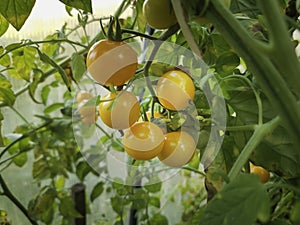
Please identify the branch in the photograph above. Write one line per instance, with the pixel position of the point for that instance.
(11, 197)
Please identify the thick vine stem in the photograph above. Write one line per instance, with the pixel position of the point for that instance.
(185, 27)
(6, 192)
(259, 133)
(283, 52)
(271, 81)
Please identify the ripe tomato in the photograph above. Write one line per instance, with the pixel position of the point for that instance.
(143, 141)
(178, 149)
(111, 62)
(83, 95)
(175, 90)
(87, 113)
(159, 13)
(119, 110)
(262, 173)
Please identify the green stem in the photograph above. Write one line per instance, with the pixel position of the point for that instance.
(23, 137)
(258, 61)
(19, 114)
(28, 43)
(258, 135)
(11, 197)
(283, 52)
(136, 33)
(193, 170)
(179, 12)
(242, 128)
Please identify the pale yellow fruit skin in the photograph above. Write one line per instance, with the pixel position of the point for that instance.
(178, 150)
(83, 95)
(88, 114)
(143, 140)
(119, 110)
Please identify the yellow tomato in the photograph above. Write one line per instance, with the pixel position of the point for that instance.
(83, 95)
(111, 62)
(119, 110)
(178, 149)
(175, 90)
(262, 173)
(143, 140)
(88, 114)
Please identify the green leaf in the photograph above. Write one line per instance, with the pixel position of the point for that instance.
(159, 219)
(155, 201)
(5, 59)
(23, 62)
(85, 5)
(16, 12)
(45, 58)
(53, 107)
(82, 170)
(7, 96)
(67, 208)
(227, 62)
(117, 204)
(78, 66)
(241, 201)
(3, 25)
(154, 185)
(97, 191)
(51, 49)
(278, 154)
(36, 79)
(45, 93)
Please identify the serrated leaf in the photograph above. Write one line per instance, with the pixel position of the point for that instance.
(16, 12)
(97, 191)
(239, 202)
(53, 107)
(3, 25)
(227, 62)
(85, 5)
(78, 66)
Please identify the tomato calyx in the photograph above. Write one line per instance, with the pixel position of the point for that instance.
(114, 32)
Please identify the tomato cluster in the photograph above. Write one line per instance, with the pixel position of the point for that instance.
(112, 64)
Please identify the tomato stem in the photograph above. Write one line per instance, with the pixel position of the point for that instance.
(258, 61)
(185, 28)
(9, 195)
(259, 133)
(282, 50)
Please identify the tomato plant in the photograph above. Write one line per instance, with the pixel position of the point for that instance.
(111, 62)
(119, 110)
(143, 140)
(201, 64)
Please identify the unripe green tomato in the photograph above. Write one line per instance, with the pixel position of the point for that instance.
(159, 13)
